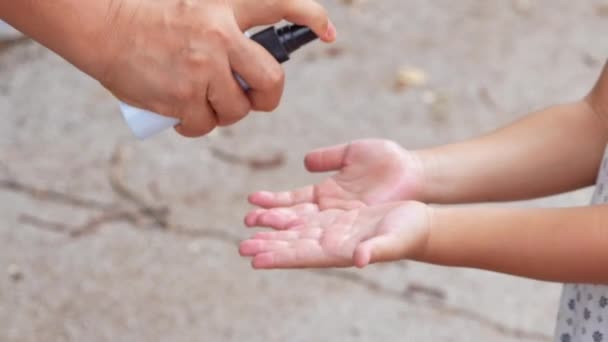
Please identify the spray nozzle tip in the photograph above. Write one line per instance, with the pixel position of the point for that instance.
(285, 40)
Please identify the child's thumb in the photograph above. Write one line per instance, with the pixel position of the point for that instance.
(377, 249)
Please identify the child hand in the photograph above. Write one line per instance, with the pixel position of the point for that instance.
(337, 237)
(369, 172)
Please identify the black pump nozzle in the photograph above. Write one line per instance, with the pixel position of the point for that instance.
(294, 36)
(285, 40)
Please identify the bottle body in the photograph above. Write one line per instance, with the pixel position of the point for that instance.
(7, 32)
(144, 123)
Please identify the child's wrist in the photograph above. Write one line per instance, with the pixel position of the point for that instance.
(437, 247)
(427, 189)
(423, 252)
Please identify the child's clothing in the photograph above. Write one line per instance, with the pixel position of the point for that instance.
(583, 311)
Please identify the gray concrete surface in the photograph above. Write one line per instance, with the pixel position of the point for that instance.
(104, 238)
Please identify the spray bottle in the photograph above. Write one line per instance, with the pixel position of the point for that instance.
(279, 42)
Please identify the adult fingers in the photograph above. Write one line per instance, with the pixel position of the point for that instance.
(226, 96)
(262, 73)
(303, 12)
(312, 14)
(197, 120)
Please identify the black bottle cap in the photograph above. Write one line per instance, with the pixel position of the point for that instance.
(285, 40)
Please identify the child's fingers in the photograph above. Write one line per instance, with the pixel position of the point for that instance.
(272, 260)
(267, 199)
(287, 235)
(254, 247)
(326, 159)
(266, 217)
(281, 218)
(302, 252)
(276, 218)
(290, 235)
(252, 217)
(299, 256)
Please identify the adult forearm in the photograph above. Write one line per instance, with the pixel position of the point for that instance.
(172, 57)
(78, 30)
(554, 150)
(565, 245)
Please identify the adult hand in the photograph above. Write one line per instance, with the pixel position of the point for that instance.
(173, 57)
(184, 53)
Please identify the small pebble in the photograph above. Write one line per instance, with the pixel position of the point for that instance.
(523, 7)
(410, 77)
(334, 51)
(601, 9)
(352, 2)
(14, 272)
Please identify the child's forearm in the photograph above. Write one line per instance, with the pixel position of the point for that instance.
(551, 151)
(565, 245)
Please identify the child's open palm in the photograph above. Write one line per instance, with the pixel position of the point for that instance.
(309, 237)
(369, 172)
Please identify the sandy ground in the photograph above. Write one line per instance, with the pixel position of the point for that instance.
(104, 238)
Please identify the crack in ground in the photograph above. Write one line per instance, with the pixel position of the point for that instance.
(436, 305)
(51, 195)
(275, 161)
(93, 225)
(143, 214)
(159, 217)
(8, 44)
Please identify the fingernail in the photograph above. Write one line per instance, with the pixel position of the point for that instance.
(330, 34)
